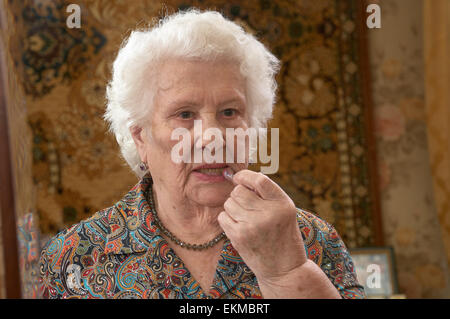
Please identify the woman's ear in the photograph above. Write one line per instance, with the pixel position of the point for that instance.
(140, 140)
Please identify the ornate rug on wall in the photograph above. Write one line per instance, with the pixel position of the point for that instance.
(321, 112)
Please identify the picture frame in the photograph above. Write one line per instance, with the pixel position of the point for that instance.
(376, 270)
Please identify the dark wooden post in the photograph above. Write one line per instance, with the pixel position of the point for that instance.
(366, 80)
(7, 201)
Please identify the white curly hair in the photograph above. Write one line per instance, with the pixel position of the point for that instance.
(188, 35)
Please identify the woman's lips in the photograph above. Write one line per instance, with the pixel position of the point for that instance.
(211, 172)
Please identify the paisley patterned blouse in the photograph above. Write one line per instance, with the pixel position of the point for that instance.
(119, 253)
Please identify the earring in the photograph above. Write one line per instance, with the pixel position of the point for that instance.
(143, 166)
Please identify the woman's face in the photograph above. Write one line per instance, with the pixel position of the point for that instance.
(213, 92)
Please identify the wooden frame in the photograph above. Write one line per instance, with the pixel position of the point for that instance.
(366, 91)
(373, 261)
(7, 200)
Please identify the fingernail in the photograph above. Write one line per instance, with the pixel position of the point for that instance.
(228, 174)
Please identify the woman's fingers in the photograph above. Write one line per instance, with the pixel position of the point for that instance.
(226, 222)
(246, 198)
(263, 186)
(234, 210)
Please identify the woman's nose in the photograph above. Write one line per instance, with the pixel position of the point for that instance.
(210, 129)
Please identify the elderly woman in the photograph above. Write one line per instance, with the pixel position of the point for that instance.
(187, 230)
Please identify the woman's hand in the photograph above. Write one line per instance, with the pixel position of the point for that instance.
(260, 221)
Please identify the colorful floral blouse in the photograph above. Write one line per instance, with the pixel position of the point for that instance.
(119, 253)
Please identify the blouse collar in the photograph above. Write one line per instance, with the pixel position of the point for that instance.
(132, 229)
(131, 223)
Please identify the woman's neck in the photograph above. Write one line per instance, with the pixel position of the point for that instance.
(188, 221)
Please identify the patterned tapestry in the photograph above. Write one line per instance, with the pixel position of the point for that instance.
(77, 170)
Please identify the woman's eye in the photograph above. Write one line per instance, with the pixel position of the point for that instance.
(229, 112)
(185, 115)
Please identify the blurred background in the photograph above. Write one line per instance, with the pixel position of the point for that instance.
(363, 111)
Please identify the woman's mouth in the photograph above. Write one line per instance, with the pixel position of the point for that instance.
(211, 173)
